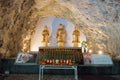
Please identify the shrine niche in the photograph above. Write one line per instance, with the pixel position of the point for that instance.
(59, 33)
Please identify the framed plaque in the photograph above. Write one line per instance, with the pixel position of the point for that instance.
(97, 59)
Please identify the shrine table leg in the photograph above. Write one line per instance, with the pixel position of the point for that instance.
(39, 72)
(42, 71)
(76, 74)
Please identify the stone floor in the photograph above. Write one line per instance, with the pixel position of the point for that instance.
(58, 77)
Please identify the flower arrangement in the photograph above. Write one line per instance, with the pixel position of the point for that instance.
(84, 44)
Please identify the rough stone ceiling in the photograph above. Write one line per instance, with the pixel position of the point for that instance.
(98, 19)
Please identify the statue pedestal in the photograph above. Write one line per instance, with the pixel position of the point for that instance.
(44, 44)
(61, 44)
(75, 44)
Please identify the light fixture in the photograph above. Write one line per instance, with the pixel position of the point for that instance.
(90, 51)
(100, 52)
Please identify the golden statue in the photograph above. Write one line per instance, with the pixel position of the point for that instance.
(45, 36)
(61, 36)
(76, 37)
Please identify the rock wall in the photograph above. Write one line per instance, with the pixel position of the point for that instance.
(98, 19)
(17, 21)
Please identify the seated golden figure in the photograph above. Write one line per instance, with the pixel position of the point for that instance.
(45, 36)
(76, 37)
(61, 36)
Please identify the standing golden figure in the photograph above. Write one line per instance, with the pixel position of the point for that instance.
(61, 36)
(76, 37)
(45, 37)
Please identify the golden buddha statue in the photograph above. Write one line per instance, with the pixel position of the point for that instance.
(61, 36)
(76, 37)
(45, 36)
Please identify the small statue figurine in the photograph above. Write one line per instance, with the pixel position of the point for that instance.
(76, 37)
(45, 37)
(61, 36)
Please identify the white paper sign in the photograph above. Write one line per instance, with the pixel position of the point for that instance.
(23, 57)
(101, 59)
